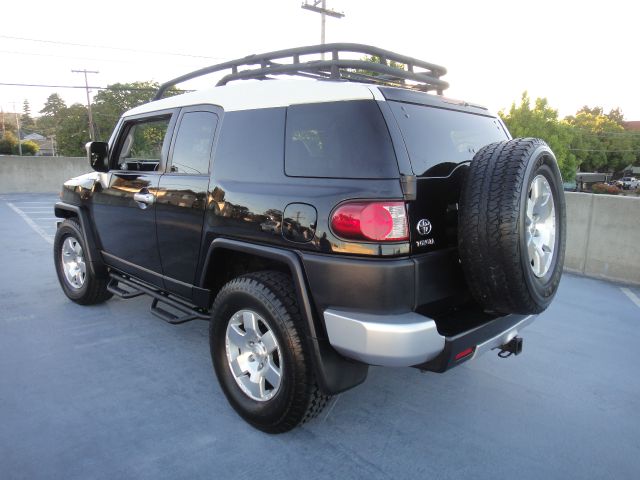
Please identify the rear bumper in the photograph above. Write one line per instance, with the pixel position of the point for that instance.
(390, 340)
(410, 339)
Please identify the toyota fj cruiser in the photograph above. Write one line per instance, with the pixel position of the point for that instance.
(321, 226)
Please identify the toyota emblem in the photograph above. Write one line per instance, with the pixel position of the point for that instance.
(424, 227)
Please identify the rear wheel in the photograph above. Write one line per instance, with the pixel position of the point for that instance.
(259, 354)
(77, 280)
(511, 228)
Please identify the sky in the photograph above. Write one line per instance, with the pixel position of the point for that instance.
(574, 53)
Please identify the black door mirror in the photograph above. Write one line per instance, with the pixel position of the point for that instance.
(98, 154)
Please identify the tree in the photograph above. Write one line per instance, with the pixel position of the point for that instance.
(112, 102)
(376, 59)
(542, 121)
(73, 131)
(52, 114)
(615, 114)
(601, 143)
(9, 122)
(53, 106)
(8, 144)
(27, 123)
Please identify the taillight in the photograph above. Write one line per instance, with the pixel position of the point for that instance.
(371, 221)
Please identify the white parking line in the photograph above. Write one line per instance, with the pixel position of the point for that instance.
(35, 209)
(632, 296)
(48, 238)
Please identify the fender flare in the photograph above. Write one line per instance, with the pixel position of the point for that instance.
(96, 263)
(334, 372)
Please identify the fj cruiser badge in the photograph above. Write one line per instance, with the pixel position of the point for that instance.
(424, 227)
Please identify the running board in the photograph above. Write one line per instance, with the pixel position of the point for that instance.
(182, 311)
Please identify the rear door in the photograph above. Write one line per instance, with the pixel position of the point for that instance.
(441, 142)
(182, 197)
(124, 208)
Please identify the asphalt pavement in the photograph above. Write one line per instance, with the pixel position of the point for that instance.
(111, 391)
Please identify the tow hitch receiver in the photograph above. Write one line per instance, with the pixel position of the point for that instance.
(512, 347)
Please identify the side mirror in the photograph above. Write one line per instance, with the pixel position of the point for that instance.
(98, 155)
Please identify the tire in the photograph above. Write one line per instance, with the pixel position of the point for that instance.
(270, 297)
(505, 271)
(85, 288)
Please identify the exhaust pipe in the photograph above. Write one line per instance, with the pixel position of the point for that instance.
(512, 347)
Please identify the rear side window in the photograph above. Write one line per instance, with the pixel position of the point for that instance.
(338, 139)
(192, 149)
(436, 136)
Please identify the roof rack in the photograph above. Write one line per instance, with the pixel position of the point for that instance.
(391, 69)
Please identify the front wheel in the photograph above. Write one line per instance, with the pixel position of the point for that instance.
(259, 354)
(77, 280)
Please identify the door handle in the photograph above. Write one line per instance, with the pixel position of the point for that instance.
(144, 198)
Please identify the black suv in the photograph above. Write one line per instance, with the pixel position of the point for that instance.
(321, 226)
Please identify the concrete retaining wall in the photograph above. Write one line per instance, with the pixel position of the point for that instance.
(39, 174)
(603, 238)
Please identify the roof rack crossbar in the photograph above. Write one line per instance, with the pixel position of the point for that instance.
(335, 68)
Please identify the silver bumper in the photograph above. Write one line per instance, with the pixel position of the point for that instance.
(401, 340)
(390, 340)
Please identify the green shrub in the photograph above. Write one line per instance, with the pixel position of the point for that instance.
(8, 144)
(29, 147)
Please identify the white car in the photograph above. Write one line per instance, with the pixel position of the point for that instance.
(628, 183)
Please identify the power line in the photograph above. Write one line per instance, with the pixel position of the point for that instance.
(115, 89)
(602, 151)
(73, 57)
(122, 49)
(591, 132)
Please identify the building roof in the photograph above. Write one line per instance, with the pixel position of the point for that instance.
(34, 137)
(633, 125)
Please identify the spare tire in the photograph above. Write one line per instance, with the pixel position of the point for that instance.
(512, 225)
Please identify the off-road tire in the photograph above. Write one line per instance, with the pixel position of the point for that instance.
(271, 294)
(491, 226)
(94, 290)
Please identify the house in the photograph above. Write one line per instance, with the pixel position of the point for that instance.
(585, 180)
(47, 147)
(631, 171)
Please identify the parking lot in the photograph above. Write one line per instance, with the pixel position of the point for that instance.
(111, 391)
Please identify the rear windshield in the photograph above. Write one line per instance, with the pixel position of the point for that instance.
(347, 139)
(437, 136)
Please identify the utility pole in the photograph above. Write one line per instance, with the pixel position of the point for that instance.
(4, 131)
(18, 126)
(86, 85)
(323, 11)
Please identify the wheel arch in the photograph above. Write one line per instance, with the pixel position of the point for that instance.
(96, 263)
(335, 373)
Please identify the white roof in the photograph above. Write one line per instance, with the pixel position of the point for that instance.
(266, 94)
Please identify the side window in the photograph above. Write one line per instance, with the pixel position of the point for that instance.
(346, 139)
(141, 148)
(192, 149)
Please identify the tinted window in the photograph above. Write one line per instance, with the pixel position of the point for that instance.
(251, 145)
(141, 148)
(436, 136)
(192, 150)
(338, 139)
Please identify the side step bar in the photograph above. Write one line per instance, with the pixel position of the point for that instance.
(184, 311)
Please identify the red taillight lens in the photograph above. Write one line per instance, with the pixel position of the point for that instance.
(377, 221)
(465, 353)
